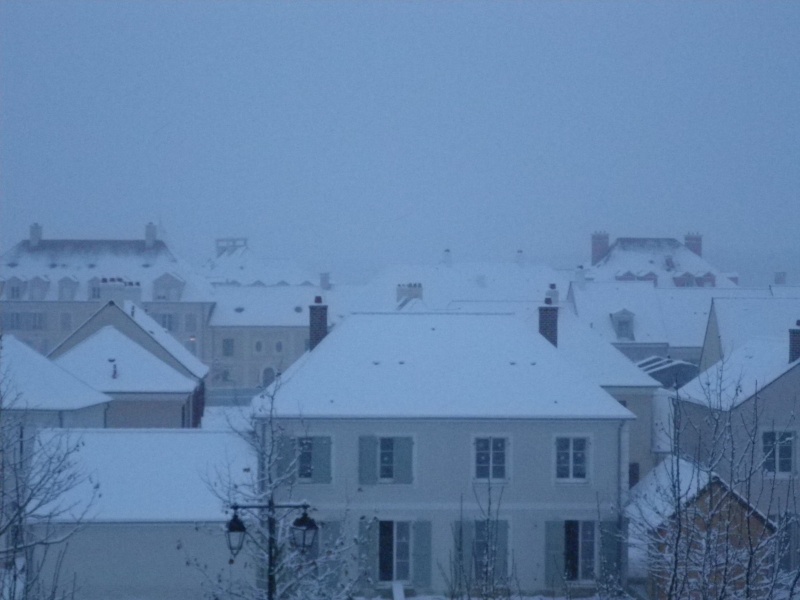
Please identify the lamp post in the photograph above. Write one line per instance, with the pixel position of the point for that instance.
(304, 532)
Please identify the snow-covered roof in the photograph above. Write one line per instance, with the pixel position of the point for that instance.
(751, 366)
(444, 283)
(163, 475)
(664, 258)
(425, 365)
(670, 484)
(237, 264)
(32, 382)
(276, 306)
(193, 364)
(676, 316)
(110, 361)
(577, 342)
(741, 319)
(131, 263)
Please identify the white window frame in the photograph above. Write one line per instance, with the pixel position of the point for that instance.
(790, 436)
(506, 457)
(398, 546)
(571, 478)
(384, 451)
(583, 525)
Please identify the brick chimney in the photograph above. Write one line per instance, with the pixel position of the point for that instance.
(36, 235)
(548, 316)
(317, 322)
(694, 242)
(794, 342)
(150, 235)
(600, 246)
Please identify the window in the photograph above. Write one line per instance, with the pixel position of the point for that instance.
(579, 548)
(633, 474)
(26, 321)
(778, 450)
(166, 320)
(15, 292)
(94, 292)
(227, 347)
(190, 323)
(490, 548)
(278, 346)
(394, 551)
(305, 457)
(385, 460)
(490, 458)
(571, 458)
(258, 347)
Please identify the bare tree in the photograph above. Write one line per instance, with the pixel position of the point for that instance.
(714, 521)
(328, 570)
(37, 469)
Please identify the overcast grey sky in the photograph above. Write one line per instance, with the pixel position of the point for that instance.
(351, 134)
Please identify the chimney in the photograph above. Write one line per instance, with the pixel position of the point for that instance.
(36, 235)
(794, 343)
(317, 322)
(548, 316)
(694, 242)
(150, 235)
(599, 246)
(325, 281)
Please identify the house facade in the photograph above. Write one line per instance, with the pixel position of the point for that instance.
(458, 443)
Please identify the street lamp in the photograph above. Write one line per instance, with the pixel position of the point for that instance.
(304, 532)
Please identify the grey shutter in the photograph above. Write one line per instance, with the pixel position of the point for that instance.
(611, 545)
(468, 548)
(368, 460)
(368, 548)
(421, 555)
(321, 460)
(285, 460)
(403, 460)
(501, 555)
(554, 554)
(328, 557)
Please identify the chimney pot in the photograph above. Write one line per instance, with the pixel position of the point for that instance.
(317, 322)
(600, 246)
(548, 322)
(36, 235)
(150, 235)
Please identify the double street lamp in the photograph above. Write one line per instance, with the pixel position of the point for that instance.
(303, 531)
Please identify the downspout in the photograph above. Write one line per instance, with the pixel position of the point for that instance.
(620, 518)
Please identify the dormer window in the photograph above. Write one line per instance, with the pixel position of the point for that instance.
(38, 288)
(67, 286)
(623, 325)
(168, 288)
(16, 288)
(94, 288)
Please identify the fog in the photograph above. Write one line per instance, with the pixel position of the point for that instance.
(348, 135)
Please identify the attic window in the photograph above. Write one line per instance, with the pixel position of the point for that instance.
(298, 309)
(623, 325)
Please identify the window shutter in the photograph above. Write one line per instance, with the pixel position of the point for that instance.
(501, 556)
(368, 548)
(329, 538)
(554, 554)
(368, 460)
(467, 547)
(421, 554)
(403, 460)
(610, 550)
(321, 460)
(285, 461)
